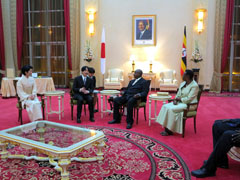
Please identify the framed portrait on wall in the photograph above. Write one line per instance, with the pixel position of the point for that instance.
(144, 30)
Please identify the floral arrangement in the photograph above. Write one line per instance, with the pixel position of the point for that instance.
(196, 56)
(88, 52)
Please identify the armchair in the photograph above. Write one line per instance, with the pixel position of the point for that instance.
(167, 81)
(191, 111)
(19, 103)
(114, 79)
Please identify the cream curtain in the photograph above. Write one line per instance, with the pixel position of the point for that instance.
(10, 35)
(75, 36)
(218, 44)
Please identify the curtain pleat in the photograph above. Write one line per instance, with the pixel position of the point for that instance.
(75, 36)
(227, 33)
(67, 31)
(19, 19)
(220, 17)
(2, 51)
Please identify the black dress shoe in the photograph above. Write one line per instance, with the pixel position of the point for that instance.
(223, 166)
(95, 110)
(202, 173)
(129, 126)
(78, 120)
(114, 122)
(92, 119)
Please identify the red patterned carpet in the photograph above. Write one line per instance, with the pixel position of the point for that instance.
(128, 155)
(193, 149)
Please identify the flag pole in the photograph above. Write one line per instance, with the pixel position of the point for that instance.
(103, 80)
(103, 58)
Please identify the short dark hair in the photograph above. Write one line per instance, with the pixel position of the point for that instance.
(25, 69)
(84, 68)
(91, 70)
(139, 71)
(189, 73)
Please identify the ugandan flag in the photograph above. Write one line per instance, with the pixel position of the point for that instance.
(184, 53)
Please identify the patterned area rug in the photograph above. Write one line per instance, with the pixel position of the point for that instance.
(128, 156)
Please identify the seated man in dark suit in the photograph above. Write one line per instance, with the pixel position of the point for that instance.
(137, 88)
(83, 88)
(226, 134)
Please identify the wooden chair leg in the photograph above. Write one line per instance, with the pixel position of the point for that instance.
(43, 111)
(137, 115)
(145, 113)
(195, 129)
(184, 122)
(85, 109)
(72, 111)
(20, 115)
(97, 104)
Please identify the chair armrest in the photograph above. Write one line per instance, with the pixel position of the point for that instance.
(174, 81)
(161, 80)
(192, 105)
(107, 80)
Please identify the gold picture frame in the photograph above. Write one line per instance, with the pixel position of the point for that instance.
(144, 30)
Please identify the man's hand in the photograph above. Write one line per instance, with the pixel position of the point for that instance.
(236, 137)
(137, 96)
(175, 102)
(82, 89)
(86, 92)
(178, 99)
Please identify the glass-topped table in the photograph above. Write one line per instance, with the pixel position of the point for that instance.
(61, 143)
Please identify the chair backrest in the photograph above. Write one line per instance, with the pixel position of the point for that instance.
(199, 94)
(168, 74)
(71, 81)
(144, 99)
(115, 74)
(15, 86)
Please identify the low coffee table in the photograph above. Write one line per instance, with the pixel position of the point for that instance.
(61, 143)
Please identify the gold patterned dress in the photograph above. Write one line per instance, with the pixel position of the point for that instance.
(171, 115)
(25, 88)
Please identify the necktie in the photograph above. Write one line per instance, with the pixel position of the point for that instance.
(84, 80)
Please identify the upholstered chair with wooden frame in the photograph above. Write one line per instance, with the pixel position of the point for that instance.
(74, 101)
(141, 103)
(168, 81)
(191, 111)
(19, 103)
(114, 79)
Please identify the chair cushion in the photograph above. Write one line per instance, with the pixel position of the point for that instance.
(191, 113)
(75, 101)
(114, 79)
(167, 81)
(112, 84)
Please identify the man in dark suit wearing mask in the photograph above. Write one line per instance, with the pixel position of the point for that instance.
(137, 88)
(226, 134)
(83, 88)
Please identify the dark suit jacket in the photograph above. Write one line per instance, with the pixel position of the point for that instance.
(78, 83)
(94, 81)
(140, 87)
(147, 35)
